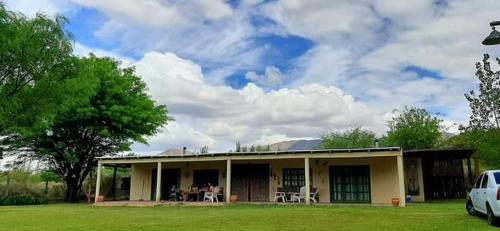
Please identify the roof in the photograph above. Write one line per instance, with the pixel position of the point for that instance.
(305, 145)
(263, 153)
(448, 152)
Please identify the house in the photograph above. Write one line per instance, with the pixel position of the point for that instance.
(367, 175)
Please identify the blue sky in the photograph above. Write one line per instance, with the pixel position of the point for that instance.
(266, 71)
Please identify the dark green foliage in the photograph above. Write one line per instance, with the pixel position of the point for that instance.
(21, 199)
(353, 138)
(485, 106)
(111, 112)
(414, 128)
(486, 143)
(35, 57)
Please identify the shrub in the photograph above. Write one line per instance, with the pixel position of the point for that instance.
(17, 199)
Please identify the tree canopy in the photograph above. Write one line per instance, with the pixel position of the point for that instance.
(35, 56)
(353, 138)
(414, 128)
(485, 106)
(111, 112)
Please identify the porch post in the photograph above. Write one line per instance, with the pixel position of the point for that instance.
(113, 190)
(402, 197)
(158, 182)
(98, 181)
(228, 181)
(306, 177)
(469, 172)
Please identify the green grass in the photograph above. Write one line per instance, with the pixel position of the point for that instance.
(432, 216)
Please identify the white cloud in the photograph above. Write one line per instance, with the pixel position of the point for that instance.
(363, 47)
(157, 13)
(271, 78)
(50, 7)
(221, 115)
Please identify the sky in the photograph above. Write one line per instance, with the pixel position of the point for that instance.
(260, 72)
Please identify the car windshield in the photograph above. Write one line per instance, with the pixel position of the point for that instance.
(497, 177)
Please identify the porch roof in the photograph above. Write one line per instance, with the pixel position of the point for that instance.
(320, 153)
(440, 152)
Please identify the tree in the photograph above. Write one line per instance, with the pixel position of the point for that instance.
(485, 142)
(112, 112)
(483, 130)
(34, 57)
(485, 107)
(414, 128)
(353, 138)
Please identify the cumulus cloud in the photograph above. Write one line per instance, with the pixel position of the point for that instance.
(247, 115)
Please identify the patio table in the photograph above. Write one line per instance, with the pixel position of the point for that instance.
(191, 193)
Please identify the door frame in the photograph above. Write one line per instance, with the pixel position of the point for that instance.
(163, 179)
(331, 184)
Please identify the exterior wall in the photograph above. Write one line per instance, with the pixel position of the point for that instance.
(420, 175)
(140, 183)
(384, 176)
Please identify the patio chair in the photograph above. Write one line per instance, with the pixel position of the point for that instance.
(314, 194)
(279, 194)
(211, 196)
(220, 194)
(301, 196)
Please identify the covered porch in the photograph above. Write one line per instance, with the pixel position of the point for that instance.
(373, 176)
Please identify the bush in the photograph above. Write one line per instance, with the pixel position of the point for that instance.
(17, 199)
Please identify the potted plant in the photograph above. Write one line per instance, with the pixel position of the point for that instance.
(234, 198)
(395, 202)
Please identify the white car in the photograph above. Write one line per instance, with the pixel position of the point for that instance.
(484, 196)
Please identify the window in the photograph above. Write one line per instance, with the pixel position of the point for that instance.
(485, 181)
(497, 177)
(478, 181)
(202, 177)
(294, 177)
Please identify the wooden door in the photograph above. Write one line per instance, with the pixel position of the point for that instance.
(259, 182)
(250, 182)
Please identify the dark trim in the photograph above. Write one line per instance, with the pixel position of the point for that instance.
(462, 153)
(268, 153)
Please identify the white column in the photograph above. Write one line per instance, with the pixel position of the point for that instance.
(306, 177)
(98, 181)
(228, 181)
(402, 197)
(158, 182)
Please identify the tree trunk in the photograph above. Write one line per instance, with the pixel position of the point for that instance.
(72, 190)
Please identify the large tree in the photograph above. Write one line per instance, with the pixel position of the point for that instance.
(352, 138)
(414, 128)
(35, 56)
(112, 111)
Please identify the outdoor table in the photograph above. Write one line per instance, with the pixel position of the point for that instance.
(191, 193)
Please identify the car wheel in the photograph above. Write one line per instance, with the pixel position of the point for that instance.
(492, 220)
(470, 208)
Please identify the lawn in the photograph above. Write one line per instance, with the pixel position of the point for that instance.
(432, 216)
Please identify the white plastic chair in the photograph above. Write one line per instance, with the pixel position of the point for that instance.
(210, 196)
(279, 195)
(301, 196)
